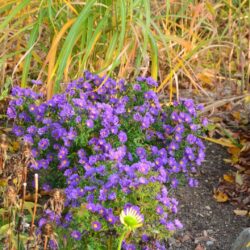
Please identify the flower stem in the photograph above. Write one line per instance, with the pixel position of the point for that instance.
(121, 239)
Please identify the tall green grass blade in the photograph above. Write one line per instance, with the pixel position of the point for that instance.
(122, 6)
(98, 30)
(154, 50)
(70, 41)
(32, 40)
(90, 27)
(111, 48)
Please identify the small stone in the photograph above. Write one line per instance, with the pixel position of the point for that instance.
(205, 233)
(209, 243)
(171, 241)
(186, 237)
(242, 241)
(208, 208)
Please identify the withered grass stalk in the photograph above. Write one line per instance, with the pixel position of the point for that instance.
(35, 206)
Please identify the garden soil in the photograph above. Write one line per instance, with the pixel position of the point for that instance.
(207, 224)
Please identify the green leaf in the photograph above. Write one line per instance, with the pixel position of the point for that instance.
(4, 229)
(29, 206)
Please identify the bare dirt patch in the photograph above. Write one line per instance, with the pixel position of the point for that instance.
(208, 224)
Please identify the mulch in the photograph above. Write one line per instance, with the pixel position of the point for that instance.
(207, 224)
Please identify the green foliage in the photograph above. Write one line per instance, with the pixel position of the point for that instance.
(62, 39)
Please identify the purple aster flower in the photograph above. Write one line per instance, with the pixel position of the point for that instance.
(19, 102)
(36, 82)
(159, 246)
(130, 156)
(159, 210)
(188, 118)
(104, 133)
(76, 235)
(174, 116)
(63, 164)
(111, 219)
(112, 196)
(189, 103)
(143, 167)
(194, 127)
(141, 79)
(192, 182)
(122, 136)
(17, 130)
(53, 244)
(137, 117)
(71, 135)
(170, 226)
(142, 180)
(137, 87)
(78, 119)
(68, 217)
(179, 128)
(145, 238)
(32, 108)
(154, 150)
(43, 163)
(11, 113)
(174, 183)
(46, 187)
(32, 130)
(63, 152)
(163, 221)
(151, 82)
(89, 123)
(178, 224)
(205, 122)
(173, 146)
(42, 131)
(43, 144)
(129, 247)
(114, 130)
(42, 222)
(67, 111)
(28, 139)
(96, 225)
(141, 152)
(191, 139)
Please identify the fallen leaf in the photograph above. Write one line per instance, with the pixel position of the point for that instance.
(240, 212)
(234, 150)
(220, 196)
(246, 147)
(229, 178)
(236, 115)
(238, 178)
(221, 141)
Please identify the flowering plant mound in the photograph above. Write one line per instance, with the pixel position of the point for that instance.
(111, 146)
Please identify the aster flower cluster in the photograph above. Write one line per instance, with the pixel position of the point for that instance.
(111, 145)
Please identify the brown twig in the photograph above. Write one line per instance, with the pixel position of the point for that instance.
(45, 242)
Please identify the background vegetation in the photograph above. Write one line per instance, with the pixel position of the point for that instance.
(199, 45)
